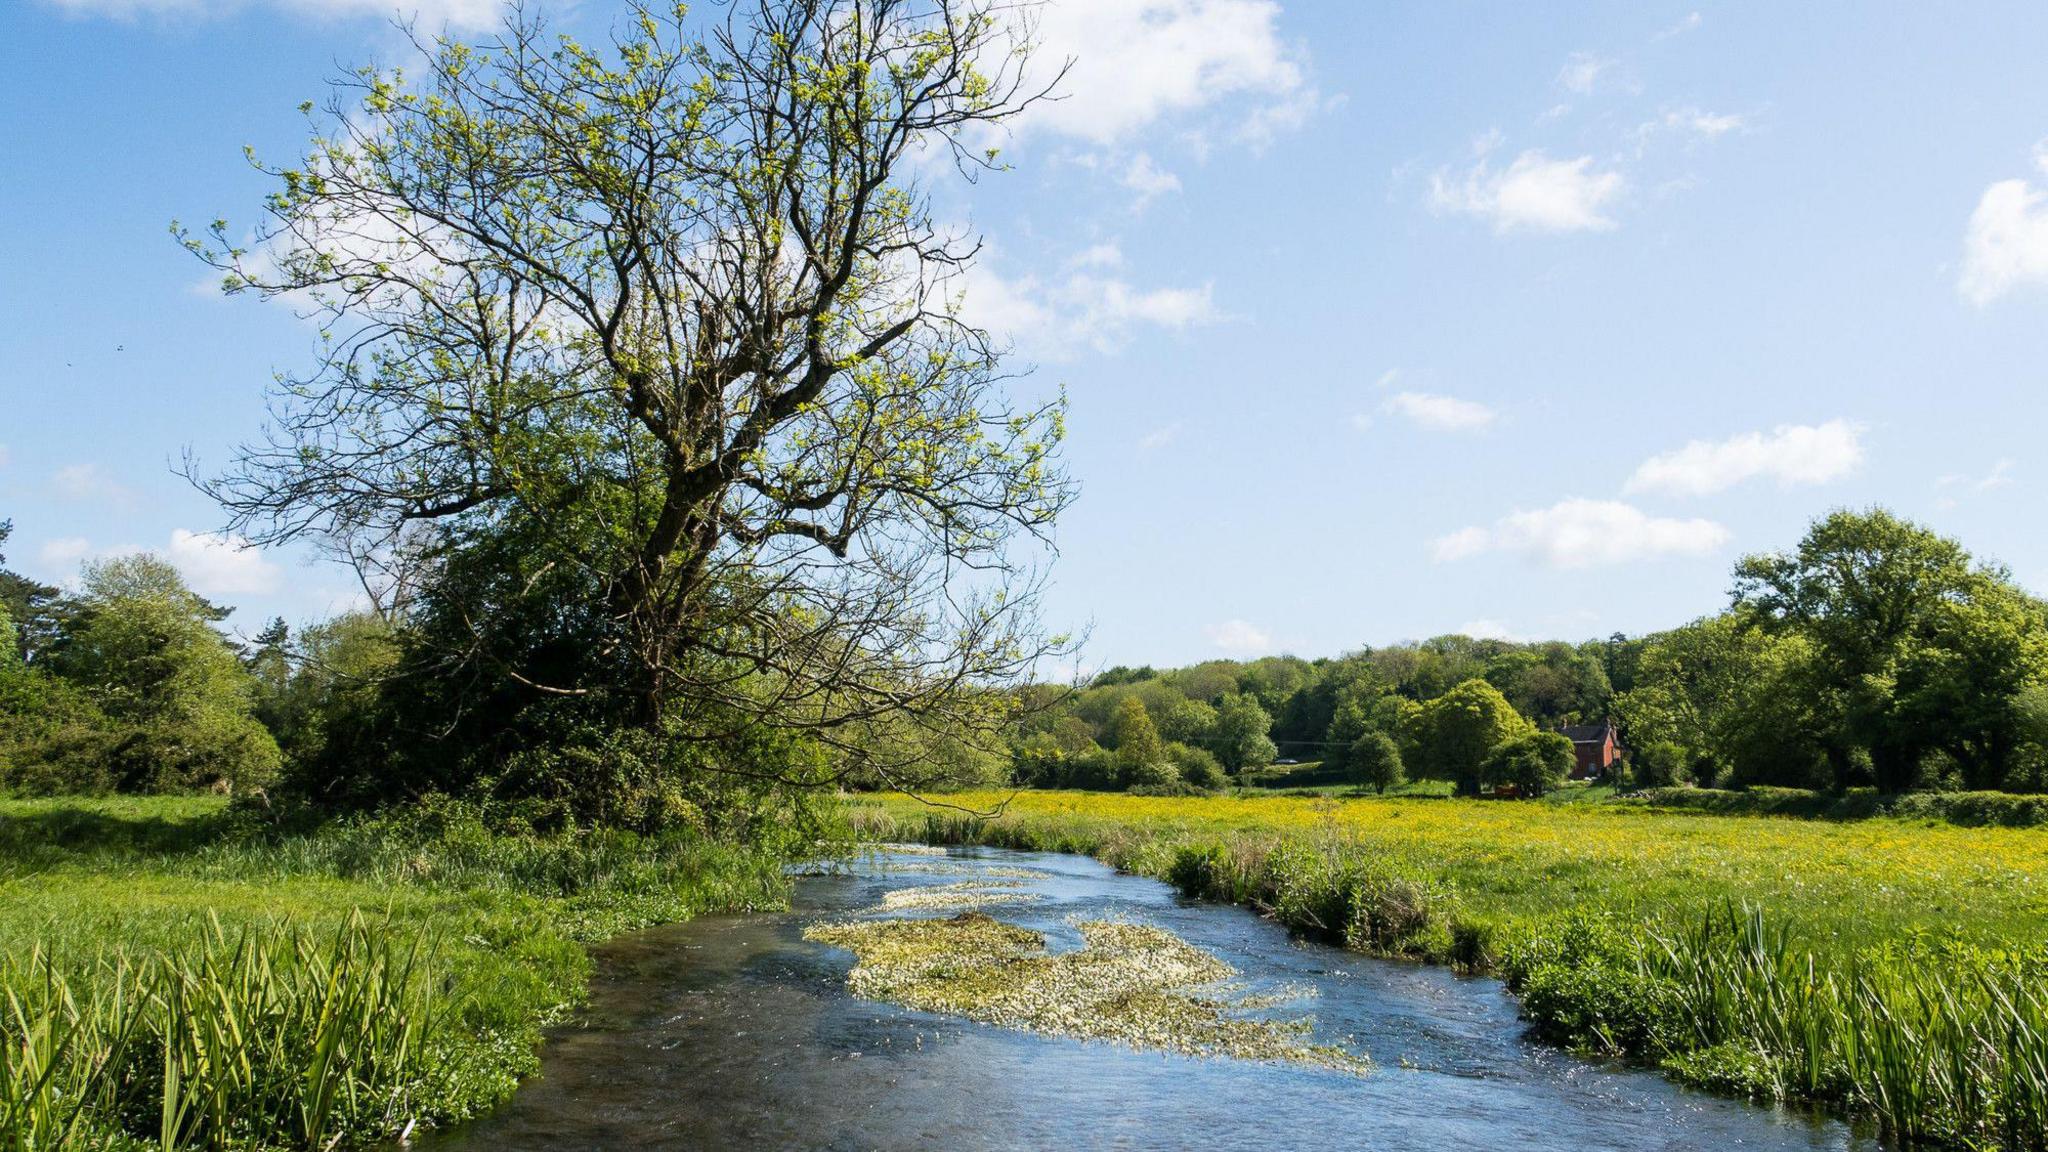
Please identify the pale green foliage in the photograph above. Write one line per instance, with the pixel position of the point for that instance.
(1140, 755)
(1457, 731)
(1242, 743)
(145, 653)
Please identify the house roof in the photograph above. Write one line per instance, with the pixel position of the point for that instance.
(1585, 733)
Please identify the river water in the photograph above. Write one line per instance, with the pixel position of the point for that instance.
(736, 1033)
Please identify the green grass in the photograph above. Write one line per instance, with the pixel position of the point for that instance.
(1892, 968)
(113, 909)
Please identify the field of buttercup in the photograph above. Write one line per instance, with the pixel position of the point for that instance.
(1892, 969)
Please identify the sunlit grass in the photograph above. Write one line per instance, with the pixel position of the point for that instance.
(97, 896)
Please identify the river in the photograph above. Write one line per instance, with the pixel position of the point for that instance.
(734, 1032)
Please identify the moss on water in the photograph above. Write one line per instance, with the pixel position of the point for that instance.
(1129, 983)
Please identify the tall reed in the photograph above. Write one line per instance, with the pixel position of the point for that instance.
(268, 1034)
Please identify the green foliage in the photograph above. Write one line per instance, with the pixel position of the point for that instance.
(619, 485)
(1456, 732)
(1374, 761)
(1533, 763)
(1242, 743)
(139, 692)
(1916, 648)
(1198, 769)
(172, 934)
(1660, 765)
(267, 1036)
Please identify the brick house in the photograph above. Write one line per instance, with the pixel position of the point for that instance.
(1595, 748)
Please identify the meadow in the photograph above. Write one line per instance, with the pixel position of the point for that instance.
(1893, 969)
(175, 974)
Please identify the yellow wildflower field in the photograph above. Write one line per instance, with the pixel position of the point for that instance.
(1854, 883)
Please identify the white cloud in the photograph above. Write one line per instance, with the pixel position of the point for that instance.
(1486, 629)
(1159, 437)
(1790, 454)
(1106, 255)
(1148, 180)
(1581, 72)
(1361, 421)
(2000, 476)
(212, 564)
(87, 483)
(1535, 192)
(1240, 638)
(217, 565)
(431, 14)
(2006, 244)
(1581, 533)
(1689, 23)
(1387, 378)
(1138, 61)
(1695, 122)
(1441, 413)
(64, 553)
(1080, 307)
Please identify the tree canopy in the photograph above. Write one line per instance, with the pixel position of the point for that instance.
(645, 390)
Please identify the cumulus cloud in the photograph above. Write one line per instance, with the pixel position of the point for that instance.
(1240, 638)
(1441, 413)
(1535, 192)
(1581, 533)
(218, 565)
(1080, 307)
(2006, 243)
(1138, 61)
(1791, 454)
(213, 564)
(469, 14)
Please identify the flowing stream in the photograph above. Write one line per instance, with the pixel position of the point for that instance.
(737, 1033)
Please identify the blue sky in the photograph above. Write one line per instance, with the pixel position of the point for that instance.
(1378, 321)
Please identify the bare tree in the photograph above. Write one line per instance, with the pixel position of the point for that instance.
(675, 320)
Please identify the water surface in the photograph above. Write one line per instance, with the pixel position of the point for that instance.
(735, 1032)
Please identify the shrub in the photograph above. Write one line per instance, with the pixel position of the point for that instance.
(1375, 762)
(1534, 764)
(1197, 767)
(1661, 765)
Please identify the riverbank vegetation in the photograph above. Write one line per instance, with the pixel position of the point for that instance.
(175, 974)
(1889, 968)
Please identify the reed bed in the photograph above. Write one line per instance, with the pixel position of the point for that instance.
(265, 1035)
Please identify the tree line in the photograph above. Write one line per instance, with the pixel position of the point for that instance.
(1877, 653)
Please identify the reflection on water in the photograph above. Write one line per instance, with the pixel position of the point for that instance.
(735, 1032)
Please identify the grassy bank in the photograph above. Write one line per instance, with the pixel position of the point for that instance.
(1894, 969)
(175, 975)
